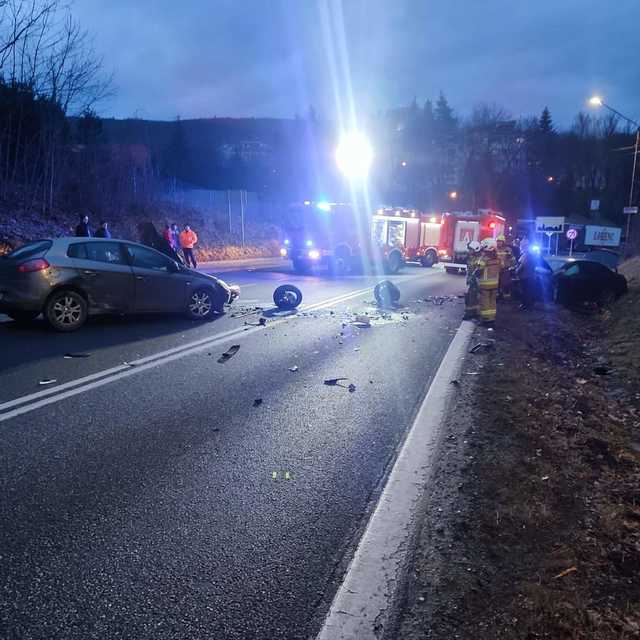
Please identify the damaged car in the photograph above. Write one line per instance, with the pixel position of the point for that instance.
(582, 283)
(67, 279)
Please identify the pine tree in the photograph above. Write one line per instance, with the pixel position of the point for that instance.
(545, 124)
(444, 114)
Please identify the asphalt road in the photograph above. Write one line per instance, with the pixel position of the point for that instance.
(158, 501)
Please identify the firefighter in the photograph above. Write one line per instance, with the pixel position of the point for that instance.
(488, 280)
(471, 298)
(507, 261)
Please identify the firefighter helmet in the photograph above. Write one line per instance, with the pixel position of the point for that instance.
(489, 244)
(474, 246)
(501, 238)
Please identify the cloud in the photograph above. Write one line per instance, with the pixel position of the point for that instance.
(271, 57)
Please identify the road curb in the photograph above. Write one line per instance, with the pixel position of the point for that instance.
(362, 606)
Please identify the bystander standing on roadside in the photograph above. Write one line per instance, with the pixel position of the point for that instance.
(103, 230)
(188, 240)
(175, 237)
(83, 230)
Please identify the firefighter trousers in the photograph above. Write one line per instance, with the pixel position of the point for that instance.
(471, 300)
(488, 299)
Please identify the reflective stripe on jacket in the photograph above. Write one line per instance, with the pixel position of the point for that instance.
(489, 272)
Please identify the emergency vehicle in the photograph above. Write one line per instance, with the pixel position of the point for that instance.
(457, 230)
(336, 237)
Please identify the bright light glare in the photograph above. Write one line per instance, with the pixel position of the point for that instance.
(354, 155)
(309, 243)
(286, 241)
(324, 206)
(596, 101)
(314, 254)
(453, 195)
(535, 248)
(432, 220)
(283, 252)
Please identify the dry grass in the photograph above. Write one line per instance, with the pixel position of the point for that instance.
(554, 527)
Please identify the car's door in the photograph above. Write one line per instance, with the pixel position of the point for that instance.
(103, 273)
(160, 285)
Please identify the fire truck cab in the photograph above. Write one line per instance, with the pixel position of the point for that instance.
(459, 229)
(340, 239)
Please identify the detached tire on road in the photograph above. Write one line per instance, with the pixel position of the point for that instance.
(66, 310)
(287, 296)
(201, 305)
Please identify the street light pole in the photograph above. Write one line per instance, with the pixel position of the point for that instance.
(597, 101)
(633, 181)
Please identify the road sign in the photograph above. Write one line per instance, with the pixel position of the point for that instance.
(602, 236)
(595, 205)
(549, 224)
(629, 211)
(572, 234)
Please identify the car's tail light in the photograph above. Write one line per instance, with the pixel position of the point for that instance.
(39, 264)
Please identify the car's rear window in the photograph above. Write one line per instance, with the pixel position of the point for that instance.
(30, 250)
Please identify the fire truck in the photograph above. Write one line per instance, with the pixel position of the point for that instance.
(336, 237)
(457, 230)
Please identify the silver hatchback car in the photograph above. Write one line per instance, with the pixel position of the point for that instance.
(66, 279)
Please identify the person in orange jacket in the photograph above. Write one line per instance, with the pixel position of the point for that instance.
(188, 240)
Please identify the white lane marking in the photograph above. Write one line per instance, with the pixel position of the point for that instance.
(50, 395)
(361, 607)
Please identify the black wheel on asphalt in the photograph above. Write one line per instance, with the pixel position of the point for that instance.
(386, 293)
(23, 316)
(394, 262)
(201, 305)
(287, 296)
(301, 266)
(428, 259)
(66, 310)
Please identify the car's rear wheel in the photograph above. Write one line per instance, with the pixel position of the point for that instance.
(201, 305)
(66, 310)
(23, 316)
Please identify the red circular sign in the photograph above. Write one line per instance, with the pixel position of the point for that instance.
(572, 234)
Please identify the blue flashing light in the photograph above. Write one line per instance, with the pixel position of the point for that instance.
(535, 248)
(286, 241)
(324, 206)
(309, 243)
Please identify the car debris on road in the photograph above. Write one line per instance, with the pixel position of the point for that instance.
(229, 353)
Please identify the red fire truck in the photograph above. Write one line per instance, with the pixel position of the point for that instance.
(458, 229)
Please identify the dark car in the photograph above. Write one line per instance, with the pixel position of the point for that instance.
(66, 279)
(585, 282)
